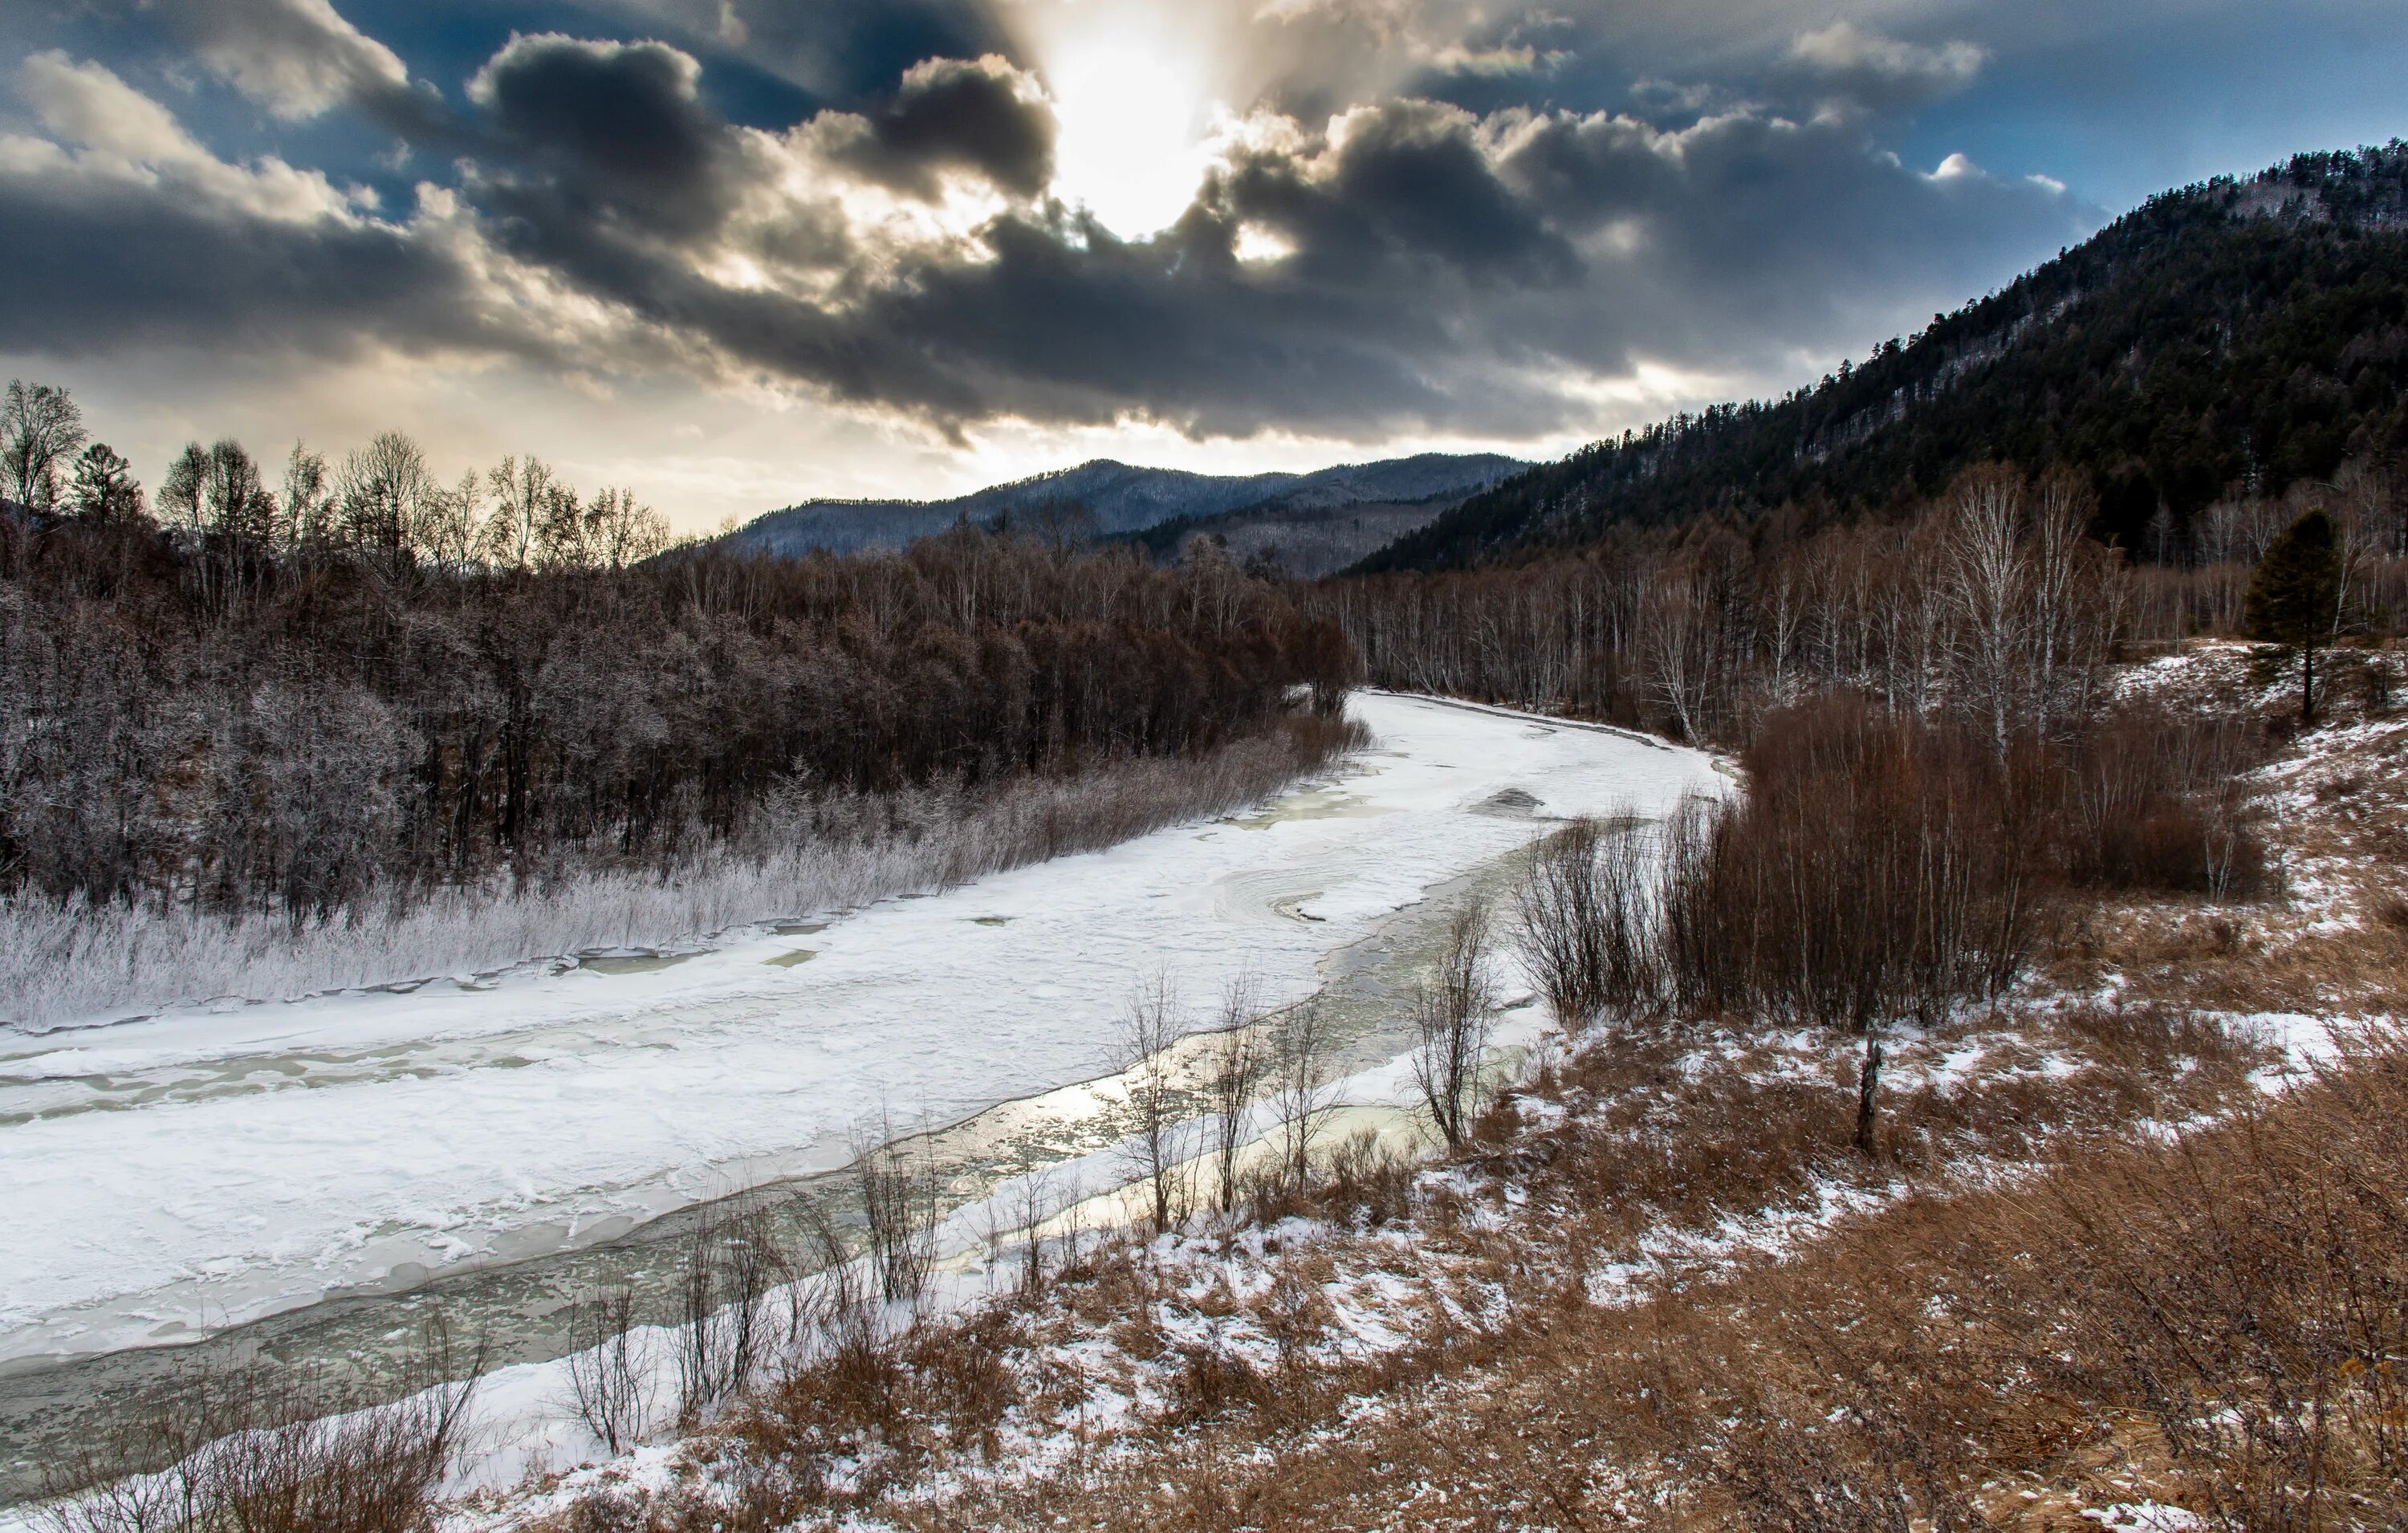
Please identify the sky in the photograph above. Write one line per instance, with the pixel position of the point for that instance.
(737, 253)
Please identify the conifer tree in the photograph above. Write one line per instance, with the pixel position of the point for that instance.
(2293, 596)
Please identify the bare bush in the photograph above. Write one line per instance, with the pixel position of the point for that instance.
(1367, 1181)
(609, 1368)
(1878, 872)
(1034, 1199)
(254, 1451)
(1453, 1015)
(2152, 800)
(828, 1301)
(1586, 932)
(731, 1262)
(897, 1181)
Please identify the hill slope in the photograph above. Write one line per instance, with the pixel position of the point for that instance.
(2229, 334)
(1121, 498)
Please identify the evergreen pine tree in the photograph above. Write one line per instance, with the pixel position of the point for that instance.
(2294, 593)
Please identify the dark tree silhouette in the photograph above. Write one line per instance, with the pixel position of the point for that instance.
(2295, 596)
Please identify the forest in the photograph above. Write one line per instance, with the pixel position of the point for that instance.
(344, 694)
(2233, 337)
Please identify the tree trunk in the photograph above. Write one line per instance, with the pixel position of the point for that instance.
(2308, 684)
(1868, 1082)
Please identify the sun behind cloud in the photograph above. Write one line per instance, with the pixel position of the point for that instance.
(1134, 96)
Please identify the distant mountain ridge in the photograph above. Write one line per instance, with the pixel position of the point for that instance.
(2238, 332)
(1121, 498)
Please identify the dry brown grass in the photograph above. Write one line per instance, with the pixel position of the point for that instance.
(1664, 1136)
(2194, 1324)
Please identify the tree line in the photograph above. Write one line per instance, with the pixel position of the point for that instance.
(1990, 601)
(381, 501)
(299, 700)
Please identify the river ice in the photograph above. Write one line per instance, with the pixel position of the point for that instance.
(209, 1166)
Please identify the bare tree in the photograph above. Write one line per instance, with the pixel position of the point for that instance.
(41, 429)
(1452, 1020)
(1142, 1055)
(1987, 570)
(521, 489)
(1233, 1074)
(1681, 634)
(309, 497)
(385, 492)
(621, 530)
(1300, 1091)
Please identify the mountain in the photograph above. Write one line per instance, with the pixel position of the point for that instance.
(1122, 500)
(1300, 535)
(2230, 335)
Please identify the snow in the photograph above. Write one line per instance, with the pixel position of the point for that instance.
(203, 1167)
(2144, 1517)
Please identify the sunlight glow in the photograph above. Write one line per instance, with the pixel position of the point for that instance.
(1133, 99)
(1257, 242)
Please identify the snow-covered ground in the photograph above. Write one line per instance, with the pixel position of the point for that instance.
(206, 1167)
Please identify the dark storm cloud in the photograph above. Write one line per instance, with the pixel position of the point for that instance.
(1444, 273)
(603, 133)
(843, 52)
(101, 264)
(1435, 269)
(955, 114)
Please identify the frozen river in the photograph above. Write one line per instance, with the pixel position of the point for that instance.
(203, 1168)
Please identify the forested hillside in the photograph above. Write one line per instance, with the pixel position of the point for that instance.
(2233, 335)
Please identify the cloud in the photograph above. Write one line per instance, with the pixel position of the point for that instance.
(122, 231)
(124, 137)
(300, 59)
(1865, 70)
(603, 133)
(87, 103)
(1409, 266)
(980, 115)
(1442, 271)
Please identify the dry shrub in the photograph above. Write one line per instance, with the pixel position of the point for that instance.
(884, 1402)
(1586, 931)
(2392, 911)
(1368, 1183)
(252, 1451)
(2150, 800)
(1879, 872)
(1209, 1381)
